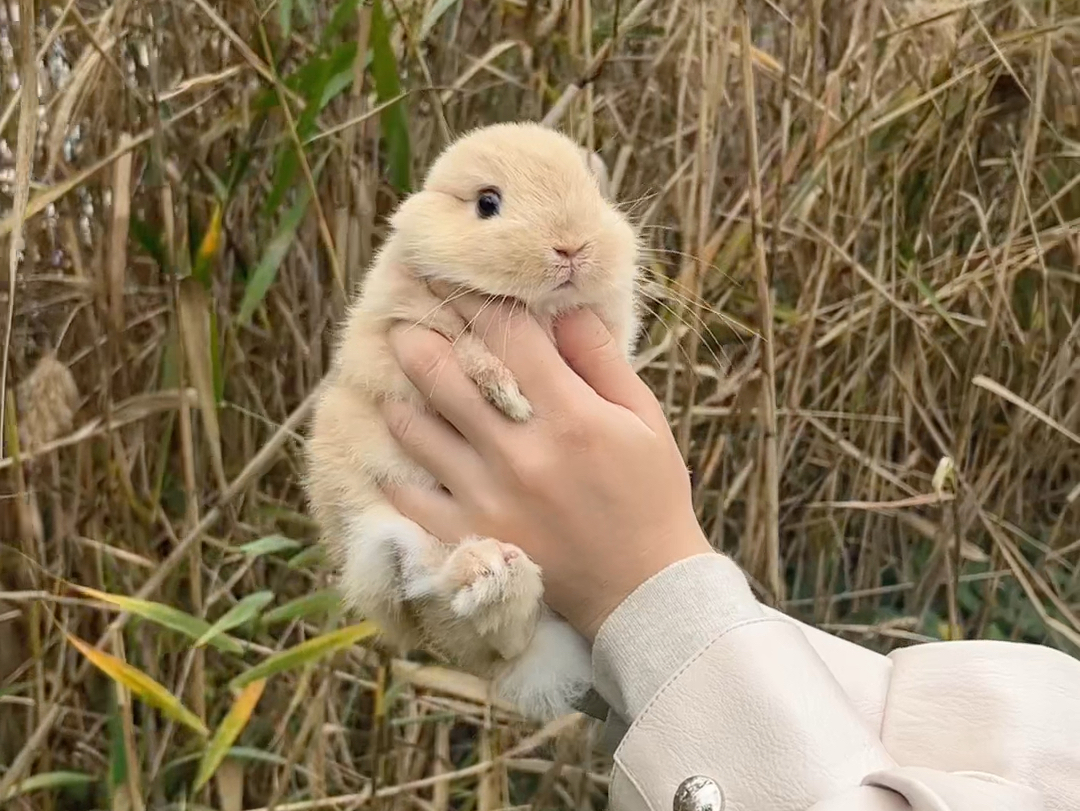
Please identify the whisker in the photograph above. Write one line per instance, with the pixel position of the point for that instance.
(675, 291)
(720, 364)
(692, 258)
(459, 292)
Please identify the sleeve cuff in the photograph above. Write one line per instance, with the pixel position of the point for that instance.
(663, 623)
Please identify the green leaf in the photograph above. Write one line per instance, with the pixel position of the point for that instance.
(323, 78)
(337, 84)
(18, 688)
(319, 602)
(266, 271)
(310, 557)
(247, 753)
(244, 611)
(48, 781)
(285, 15)
(150, 240)
(269, 545)
(288, 164)
(435, 13)
(221, 188)
(935, 302)
(342, 12)
(162, 615)
(395, 128)
(306, 652)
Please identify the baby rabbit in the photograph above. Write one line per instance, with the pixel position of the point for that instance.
(512, 210)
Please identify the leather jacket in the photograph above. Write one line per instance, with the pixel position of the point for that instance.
(717, 703)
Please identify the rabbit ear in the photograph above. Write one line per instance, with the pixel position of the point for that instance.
(599, 169)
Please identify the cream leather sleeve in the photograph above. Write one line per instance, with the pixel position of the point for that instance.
(781, 716)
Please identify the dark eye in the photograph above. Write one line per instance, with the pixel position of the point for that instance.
(488, 203)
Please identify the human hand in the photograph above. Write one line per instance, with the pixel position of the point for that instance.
(593, 487)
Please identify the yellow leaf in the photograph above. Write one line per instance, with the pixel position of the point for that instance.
(140, 685)
(211, 239)
(229, 731)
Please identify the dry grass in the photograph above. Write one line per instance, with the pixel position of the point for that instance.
(901, 176)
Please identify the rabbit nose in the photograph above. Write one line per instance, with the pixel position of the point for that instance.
(566, 252)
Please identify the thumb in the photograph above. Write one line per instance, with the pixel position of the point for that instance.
(592, 352)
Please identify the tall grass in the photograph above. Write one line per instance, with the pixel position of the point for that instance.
(862, 220)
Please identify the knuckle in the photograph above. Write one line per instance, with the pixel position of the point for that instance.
(491, 507)
(575, 436)
(532, 469)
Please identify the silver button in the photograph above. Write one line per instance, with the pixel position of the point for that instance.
(698, 793)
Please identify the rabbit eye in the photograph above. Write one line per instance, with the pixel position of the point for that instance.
(488, 204)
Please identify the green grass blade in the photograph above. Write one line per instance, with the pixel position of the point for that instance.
(395, 127)
(269, 545)
(310, 605)
(306, 653)
(343, 12)
(311, 557)
(165, 615)
(49, 781)
(435, 13)
(285, 15)
(266, 271)
(244, 611)
(150, 240)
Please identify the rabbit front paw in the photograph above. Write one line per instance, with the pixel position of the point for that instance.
(494, 380)
(501, 390)
(496, 588)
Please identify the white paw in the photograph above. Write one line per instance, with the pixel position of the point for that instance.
(492, 583)
(501, 390)
(511, 402)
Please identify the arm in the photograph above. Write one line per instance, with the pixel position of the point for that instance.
(749, 698)
(594, 489)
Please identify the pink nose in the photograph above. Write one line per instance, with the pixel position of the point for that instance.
(568, 253)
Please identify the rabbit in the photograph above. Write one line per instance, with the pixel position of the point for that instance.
(514, 210)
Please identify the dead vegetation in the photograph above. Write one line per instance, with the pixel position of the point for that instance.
(901, 177)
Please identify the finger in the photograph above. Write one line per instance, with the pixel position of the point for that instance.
(435, 511)
(433, 444)
(428, 361)
(516, 338)
(591, 351)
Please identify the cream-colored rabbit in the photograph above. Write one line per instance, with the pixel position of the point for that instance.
(513, 210)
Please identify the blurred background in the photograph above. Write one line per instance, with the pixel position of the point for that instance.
(864, 301)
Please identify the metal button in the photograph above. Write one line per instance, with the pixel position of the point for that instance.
(698, 793)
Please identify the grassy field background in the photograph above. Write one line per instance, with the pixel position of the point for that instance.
(862, 219)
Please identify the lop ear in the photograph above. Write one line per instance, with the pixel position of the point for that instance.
(599, 169)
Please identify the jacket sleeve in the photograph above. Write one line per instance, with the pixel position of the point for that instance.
(778, 715)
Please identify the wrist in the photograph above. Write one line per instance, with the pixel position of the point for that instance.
(634, 572)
